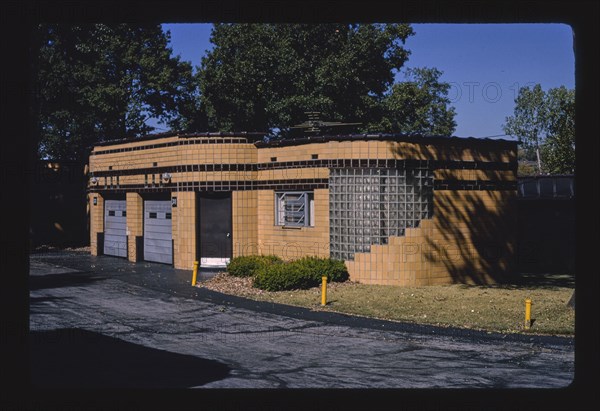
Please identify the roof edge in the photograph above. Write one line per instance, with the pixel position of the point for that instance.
(252, 136)
(410, 138)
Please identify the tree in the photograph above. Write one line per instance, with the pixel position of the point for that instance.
(419, 105)
(527, 166)
(529, 120)
(263, 77)
(545, 123)
(559, 147)
(100, 82)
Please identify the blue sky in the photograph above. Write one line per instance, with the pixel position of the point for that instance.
(484, 63)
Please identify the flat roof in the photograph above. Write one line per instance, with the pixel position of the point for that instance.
(252, 136)
(258, 138)
(409, 138)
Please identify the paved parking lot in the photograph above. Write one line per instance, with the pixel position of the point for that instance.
(102, 321)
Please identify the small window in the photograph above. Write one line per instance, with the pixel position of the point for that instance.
(168, 216)
(314, 156)
(294, 209)
(123, 213)
(152, 215)
(154, 164)
(273, 158)
(111, 213)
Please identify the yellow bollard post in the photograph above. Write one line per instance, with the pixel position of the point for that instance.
(195, 273)
(324, 290)
(527, 313)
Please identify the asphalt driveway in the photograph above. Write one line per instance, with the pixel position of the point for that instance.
(105, 322)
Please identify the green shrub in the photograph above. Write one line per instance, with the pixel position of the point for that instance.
(316, 267)
(278, 277)
(246, 266)
(299, 274)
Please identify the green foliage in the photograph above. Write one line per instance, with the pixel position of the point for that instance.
(559, 148)
(299, 274)
(526, 169)
(558, 152)
(545, 123)
(526, 162)
(419, 105)
(246, 266)
(98, 82)
(281, 277)
(335, 270)
(263, 77)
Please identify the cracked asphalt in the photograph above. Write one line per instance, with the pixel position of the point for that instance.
(102, 321)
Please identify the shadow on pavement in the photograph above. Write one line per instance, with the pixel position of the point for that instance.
(42, 300)
(40, 282)
(76, 358)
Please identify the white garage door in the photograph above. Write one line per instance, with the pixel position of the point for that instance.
(158, 232)
(115, 223)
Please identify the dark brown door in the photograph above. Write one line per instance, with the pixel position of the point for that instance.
(214, 226)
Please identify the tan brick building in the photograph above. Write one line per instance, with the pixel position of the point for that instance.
(400, 210)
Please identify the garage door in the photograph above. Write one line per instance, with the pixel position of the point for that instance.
(158, 232)
(115, 223)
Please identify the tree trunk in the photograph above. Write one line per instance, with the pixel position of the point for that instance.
(571, 302)
(539, 160)
(537, 153)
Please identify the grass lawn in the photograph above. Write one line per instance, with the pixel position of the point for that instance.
(498, 308)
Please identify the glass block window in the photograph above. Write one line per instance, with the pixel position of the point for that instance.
(294, 208)
(367, 205)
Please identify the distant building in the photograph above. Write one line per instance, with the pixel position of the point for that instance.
(402, 210)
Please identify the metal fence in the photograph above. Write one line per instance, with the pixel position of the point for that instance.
(550, 187)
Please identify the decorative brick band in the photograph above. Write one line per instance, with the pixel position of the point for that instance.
(335, 163)
(392, 163)
(237, 185)
(289, 185)
(493, 185)
(172, 144)
(176, 169)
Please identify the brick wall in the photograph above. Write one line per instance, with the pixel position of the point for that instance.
(293, 242)
(96, 221)
(244, 206)
(469, 239)
(184, 230)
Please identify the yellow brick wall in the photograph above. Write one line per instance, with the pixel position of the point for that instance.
(236, 153)
(247, 154)
(384, 150)
(136, 143)
(184, 230)
(135, 223)
(470, 239)
(96, 220)
(245, 222)
(445, 249)
(292, 243)
(327, 151)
